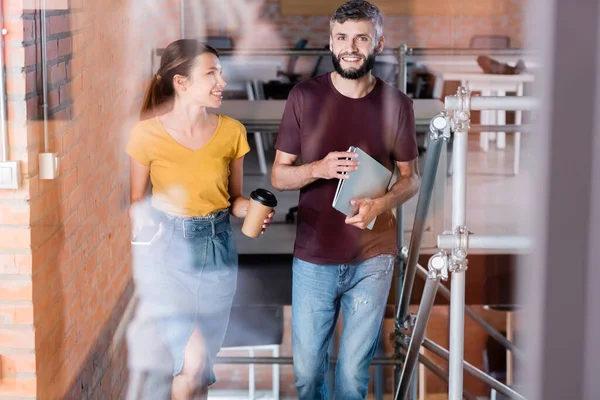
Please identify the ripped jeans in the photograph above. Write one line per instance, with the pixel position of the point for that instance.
(319, 292)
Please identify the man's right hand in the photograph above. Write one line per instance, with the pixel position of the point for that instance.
(335, 165)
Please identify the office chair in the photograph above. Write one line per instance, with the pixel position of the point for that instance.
(386, 71)
(280, 89)
(323, 65)
(220, 42)
(289, 71)
(290, 217)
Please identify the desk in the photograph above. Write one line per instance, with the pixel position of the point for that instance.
(256, 115)
(265, 115)
(239, 70)
(468, 62)
(476, 80)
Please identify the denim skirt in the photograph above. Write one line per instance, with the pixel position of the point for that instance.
(186, 279)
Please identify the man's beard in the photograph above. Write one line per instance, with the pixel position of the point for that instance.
(353, 73)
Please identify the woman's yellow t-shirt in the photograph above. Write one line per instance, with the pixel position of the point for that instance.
(188, 182)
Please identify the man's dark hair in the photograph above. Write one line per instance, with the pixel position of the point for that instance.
(359, 10)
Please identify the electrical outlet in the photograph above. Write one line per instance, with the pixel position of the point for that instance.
(9, 175)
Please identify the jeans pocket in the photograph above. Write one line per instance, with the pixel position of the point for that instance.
(162, 242)
(381, 266)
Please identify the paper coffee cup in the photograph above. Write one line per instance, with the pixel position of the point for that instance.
(262, 202)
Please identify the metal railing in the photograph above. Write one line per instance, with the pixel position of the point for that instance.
(454, 246)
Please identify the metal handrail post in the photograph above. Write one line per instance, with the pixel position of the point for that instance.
(493, 332)
(440, 131)
(418, 332)
(475, 372)
(489, 242)
(421, 51)
(402, 66)
(458, 267)
(506, 103)
(443, 375)
(401, 264)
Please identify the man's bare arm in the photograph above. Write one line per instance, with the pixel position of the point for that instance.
(407, 185)
(286, 176)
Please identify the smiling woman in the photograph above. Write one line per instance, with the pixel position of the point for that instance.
(187, 276)
(179, 59)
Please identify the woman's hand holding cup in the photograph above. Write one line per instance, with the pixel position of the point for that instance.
(260, 213)
(267, 221)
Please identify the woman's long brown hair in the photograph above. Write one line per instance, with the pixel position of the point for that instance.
(178, 59)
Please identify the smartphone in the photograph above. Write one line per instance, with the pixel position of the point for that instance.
(146, 235)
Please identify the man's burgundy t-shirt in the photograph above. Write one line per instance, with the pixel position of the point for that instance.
(318, 120)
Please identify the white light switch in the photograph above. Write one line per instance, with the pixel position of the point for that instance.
(9, 174)
(48, 165)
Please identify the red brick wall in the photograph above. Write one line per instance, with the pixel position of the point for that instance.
(104, 373)
(259, 23)
(64, 248)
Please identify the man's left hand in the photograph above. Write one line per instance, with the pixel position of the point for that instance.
(366, 213)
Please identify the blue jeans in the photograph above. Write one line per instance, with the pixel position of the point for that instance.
(319, 293)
